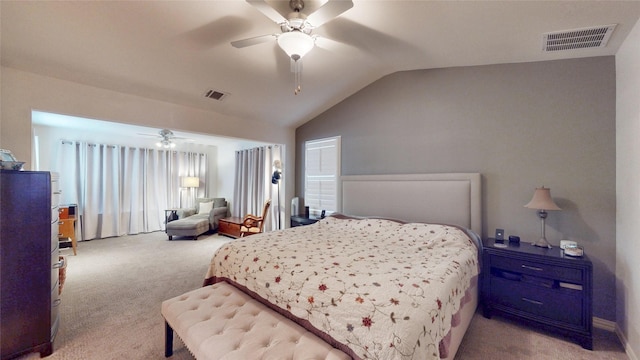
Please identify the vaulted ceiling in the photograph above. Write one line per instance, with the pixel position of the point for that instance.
(176, 51)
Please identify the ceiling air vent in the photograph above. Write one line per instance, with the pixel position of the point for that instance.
(592, 37)
(215, 95)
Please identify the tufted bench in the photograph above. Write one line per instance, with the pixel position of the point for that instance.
(221, 322)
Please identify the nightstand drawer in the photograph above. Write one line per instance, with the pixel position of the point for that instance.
(66, 228)
(544, 302)
(537, 269)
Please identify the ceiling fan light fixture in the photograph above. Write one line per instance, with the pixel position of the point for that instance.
(166, 143)
(295, 43)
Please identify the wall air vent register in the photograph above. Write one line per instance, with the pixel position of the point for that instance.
(215, 95)
(592, 37)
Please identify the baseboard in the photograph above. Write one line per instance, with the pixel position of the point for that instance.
(613, 327)
(625, 344)
(604, 324)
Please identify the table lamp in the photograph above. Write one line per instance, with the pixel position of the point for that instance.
(542, 202)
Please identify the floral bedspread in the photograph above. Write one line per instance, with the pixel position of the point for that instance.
(380, 289)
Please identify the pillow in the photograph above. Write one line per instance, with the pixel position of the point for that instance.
(219, 202)
(205, 207)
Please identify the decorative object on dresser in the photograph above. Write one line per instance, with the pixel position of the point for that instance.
(8, 161)
(540, 286)
(542, 202)
(30, 260)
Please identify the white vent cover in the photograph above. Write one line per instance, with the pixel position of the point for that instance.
(215, 94)
(592, 37)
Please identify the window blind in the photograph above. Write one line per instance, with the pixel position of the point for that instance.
(322, 173)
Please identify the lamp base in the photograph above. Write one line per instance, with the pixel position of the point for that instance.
(542, 243)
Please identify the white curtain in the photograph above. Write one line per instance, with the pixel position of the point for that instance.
(122, 190)
(192, 165)
(253, 186)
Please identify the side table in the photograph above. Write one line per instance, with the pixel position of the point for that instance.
(300, 220)
(539, 286)
(67, 230)
(230, 227)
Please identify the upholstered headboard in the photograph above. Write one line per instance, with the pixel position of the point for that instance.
(437, 198)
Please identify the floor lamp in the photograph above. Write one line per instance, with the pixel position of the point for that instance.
(275, 179)
(190, 182)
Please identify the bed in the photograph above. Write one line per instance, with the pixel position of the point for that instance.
(373, 286)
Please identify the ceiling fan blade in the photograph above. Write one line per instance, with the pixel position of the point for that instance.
(267, 10)
(252, 41)
(330, 10)
(149, 135)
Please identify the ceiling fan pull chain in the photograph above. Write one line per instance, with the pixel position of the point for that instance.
(296, 68)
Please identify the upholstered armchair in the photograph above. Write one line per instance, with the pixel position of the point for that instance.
(212, 208)
(204, 217)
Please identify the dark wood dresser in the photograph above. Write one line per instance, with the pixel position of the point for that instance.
(29, 259)
(540, 286)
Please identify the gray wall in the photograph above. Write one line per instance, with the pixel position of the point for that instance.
(520, 125)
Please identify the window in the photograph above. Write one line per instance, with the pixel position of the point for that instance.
(322, 174)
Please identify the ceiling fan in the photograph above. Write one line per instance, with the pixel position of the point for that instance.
(295, 38)
(166, 138)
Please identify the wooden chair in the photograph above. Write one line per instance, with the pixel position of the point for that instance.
(252, 224)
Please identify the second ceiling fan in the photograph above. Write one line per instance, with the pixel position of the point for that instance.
(295, 38)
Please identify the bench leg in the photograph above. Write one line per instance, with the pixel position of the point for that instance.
(168, 340)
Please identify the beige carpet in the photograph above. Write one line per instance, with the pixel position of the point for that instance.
(111, 306)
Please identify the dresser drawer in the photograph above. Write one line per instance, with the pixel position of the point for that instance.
(54, 236)
(553, 304)
(537, 269)
(55, 263)
(55, 213)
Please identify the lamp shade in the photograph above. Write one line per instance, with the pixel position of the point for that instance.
(542, 200)
(295, 43)
(189, 182)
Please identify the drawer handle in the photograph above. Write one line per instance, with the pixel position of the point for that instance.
(532, 301)
(59, 264)
(532, 268)
(57, 302)
(57, 192)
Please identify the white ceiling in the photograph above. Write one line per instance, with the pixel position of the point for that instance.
(100, 131)
(176, 50)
